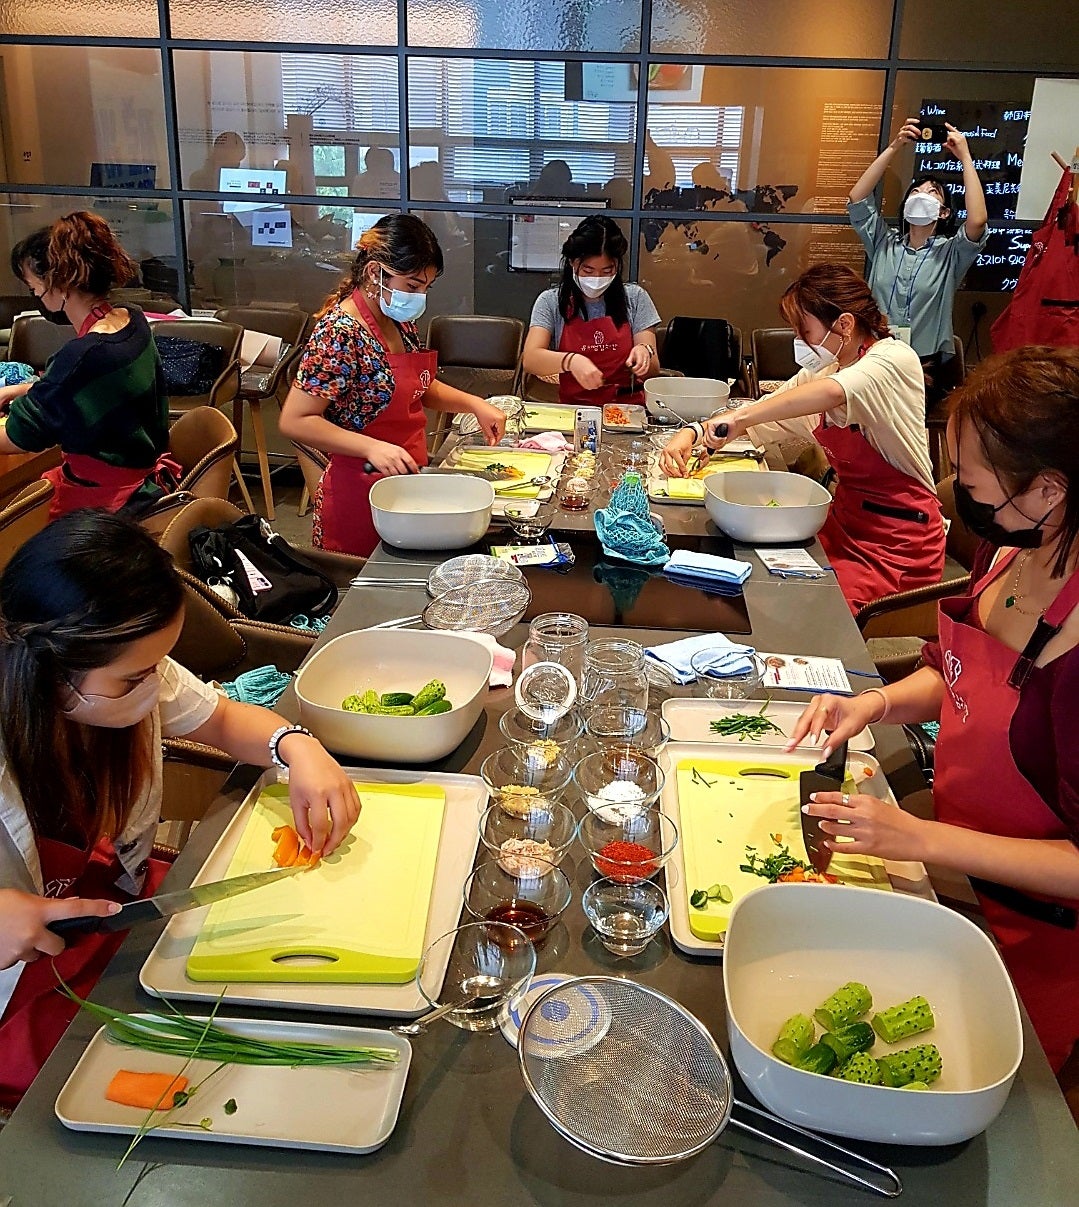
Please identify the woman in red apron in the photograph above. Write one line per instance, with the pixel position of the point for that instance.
(594, 333)
(860, 396)
(364, 381)
(1002, 678)
(101, 398)
(89, 610)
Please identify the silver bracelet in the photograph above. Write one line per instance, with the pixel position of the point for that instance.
(276, 738)
(876, 691)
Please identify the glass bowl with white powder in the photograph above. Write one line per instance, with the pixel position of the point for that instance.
(618, 781)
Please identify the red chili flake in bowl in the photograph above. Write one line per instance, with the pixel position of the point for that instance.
(625, 862)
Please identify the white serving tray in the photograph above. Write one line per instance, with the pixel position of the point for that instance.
(165, 972)
(337, 1110)
(689, 720)
(905, 877)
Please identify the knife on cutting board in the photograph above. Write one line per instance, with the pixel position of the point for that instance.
(153, 909)
(825, 777)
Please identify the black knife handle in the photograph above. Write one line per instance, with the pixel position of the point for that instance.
(67, 928)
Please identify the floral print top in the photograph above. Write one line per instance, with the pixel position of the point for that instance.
(346, 365)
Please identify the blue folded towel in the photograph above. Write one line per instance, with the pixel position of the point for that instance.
(705, 568)
(675, 656)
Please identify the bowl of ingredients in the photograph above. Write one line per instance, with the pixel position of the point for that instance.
(531, 897)
(522, 778)
(875, 1016)
(529, 521)
(372, 695)
(628, 848)
(490, 967)
(766, 507)
(431, 511)
(622, 725)
(685, 397)
(719, 677)
(552, 737)
(618, 780)
(546, 831)
(627, 917)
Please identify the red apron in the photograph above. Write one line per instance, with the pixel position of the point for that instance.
(342, 511)
(884, 532)
(38, 1014)
(607, 347)
(975, 724)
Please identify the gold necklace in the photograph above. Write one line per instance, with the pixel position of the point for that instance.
(1012, 600)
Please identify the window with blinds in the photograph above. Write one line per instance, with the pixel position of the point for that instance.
(696, 134)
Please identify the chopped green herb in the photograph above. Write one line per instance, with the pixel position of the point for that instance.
(230, 1107)
(743, 725)
(697, 778)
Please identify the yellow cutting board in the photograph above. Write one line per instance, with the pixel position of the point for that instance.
(531, 463)
(359, 917)
(546, 417)
(691, 489)
(743, 809)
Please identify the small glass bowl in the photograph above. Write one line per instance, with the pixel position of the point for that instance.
(627, 917)
(598, 774)
(726, 685)
(621, 725)
(520, 729)
(529, 527)
(492, 962)
(532, 900)
(517, 767)
(550, 822)
(608, 839)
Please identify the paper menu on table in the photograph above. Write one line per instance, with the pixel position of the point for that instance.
(793, 563)
(800, 673)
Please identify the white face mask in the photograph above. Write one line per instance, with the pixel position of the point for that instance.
(813, 357)
(116, 712)
(922, 209)
(593, 287)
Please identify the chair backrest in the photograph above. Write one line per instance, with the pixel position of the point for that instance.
(703, 347)
(225, 336)
(206, 512)
(34, 340)
(208, 644)
(23, 517)
(773, 353)
(204, 442)
(962, 544)
(12, 304)
(312, 464)
(477, 353)
(288, 325)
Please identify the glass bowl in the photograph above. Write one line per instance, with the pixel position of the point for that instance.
(627, 917)
(549, 823)
(630, 848)
(621, 725)
(520, 778)
(526, 526)
(532, 899)
(719, 684)
(618, 780)
(519, 729)
(494, 963)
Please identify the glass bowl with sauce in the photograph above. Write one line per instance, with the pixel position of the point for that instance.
(532, 895)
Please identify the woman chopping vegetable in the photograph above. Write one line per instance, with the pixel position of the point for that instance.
(859, 395)
(1003, 680)
(364, 380)
(89, 610)
(596, 333)
(102, 397)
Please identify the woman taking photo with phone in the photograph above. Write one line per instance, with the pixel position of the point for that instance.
(364, 381)
(914, 274)
(594, 332)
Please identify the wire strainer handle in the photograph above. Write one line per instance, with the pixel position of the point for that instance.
(892, 1191)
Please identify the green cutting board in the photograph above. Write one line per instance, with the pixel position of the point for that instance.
(359, 917)
(691, 489)
(546, 417)
(531, 463)
(748, 802)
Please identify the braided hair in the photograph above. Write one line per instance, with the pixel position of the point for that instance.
(402, 242)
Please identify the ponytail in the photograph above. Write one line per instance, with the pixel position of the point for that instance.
(403, 242)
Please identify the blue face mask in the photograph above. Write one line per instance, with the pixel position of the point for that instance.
(402, 307)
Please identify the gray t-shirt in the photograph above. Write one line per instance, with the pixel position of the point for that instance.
(639, 307)
(915, 288)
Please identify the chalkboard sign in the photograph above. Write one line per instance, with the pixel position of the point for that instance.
(996, 131)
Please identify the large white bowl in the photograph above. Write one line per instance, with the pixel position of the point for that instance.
(789, 946)
(738, 502)
(387, 660)
(690, 397)
(431, 511)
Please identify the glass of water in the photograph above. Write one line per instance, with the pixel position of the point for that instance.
(627, 917)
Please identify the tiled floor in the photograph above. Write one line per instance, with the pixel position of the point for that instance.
(287, 488)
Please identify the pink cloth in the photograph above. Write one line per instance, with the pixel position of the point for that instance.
(502, 670)
(547, 442)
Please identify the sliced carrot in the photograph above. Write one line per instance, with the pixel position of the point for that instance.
(148, 1091)
(287, 852)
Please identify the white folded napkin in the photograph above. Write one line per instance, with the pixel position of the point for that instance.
(707, 567)
(675, 656)
(548, 442)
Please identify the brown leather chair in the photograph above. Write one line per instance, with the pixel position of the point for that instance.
(952, 374)
(145, 299)
(772, 356)
(204, 442)
(34, 340)
(23, 517)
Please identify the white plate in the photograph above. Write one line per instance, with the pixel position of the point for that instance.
(165, 972)
(905, 877)
(337, 1110)
(689, 721)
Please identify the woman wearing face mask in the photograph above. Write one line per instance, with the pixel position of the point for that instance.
(859, 396)
(1003, 680)
(102, 397)
(914, 275)
(89, 610)
(596, 333)
(364, 380)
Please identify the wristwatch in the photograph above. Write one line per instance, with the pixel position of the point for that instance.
(276, 739)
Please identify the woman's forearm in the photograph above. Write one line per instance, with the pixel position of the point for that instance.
(811, 398)
(542, 362)
(443, 397)
(916, 698)
(871, 177)
(974, 195)
(1049, 866)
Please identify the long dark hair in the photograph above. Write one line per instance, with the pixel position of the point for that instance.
(403, 242)
(598, 236)
(79, 251)
(71, 599)
(945, 226)
(828, 290)
(1024, 408)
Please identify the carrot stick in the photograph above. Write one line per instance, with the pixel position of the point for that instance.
(287, 851)
(148, 1091)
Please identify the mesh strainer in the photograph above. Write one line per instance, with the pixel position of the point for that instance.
(491, 606)
(461, 571)
(630, 1076)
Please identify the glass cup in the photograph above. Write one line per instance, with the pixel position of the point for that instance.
(719, 684)
(627, 917)
(614, 673)
(529, 522)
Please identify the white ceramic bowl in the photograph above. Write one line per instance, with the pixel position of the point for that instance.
(690, 397)
(387, 660)
(738, 502)
(789, 946)
(431, 511)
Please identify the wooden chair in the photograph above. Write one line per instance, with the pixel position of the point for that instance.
(23, 517)
(34, 340)
(204, 442)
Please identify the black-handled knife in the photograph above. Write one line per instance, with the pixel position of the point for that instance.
(153, 909)
(825, 777)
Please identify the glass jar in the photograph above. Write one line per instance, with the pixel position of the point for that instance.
(614, 674)
(557, 637)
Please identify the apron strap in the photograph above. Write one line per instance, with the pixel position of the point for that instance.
(1048, 626)
(360, 302)
(1052, 913)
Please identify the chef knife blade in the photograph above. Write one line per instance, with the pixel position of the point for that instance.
(825, 777)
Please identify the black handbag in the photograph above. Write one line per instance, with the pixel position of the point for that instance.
(271, 580)
(702, 348)
(189, 367)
